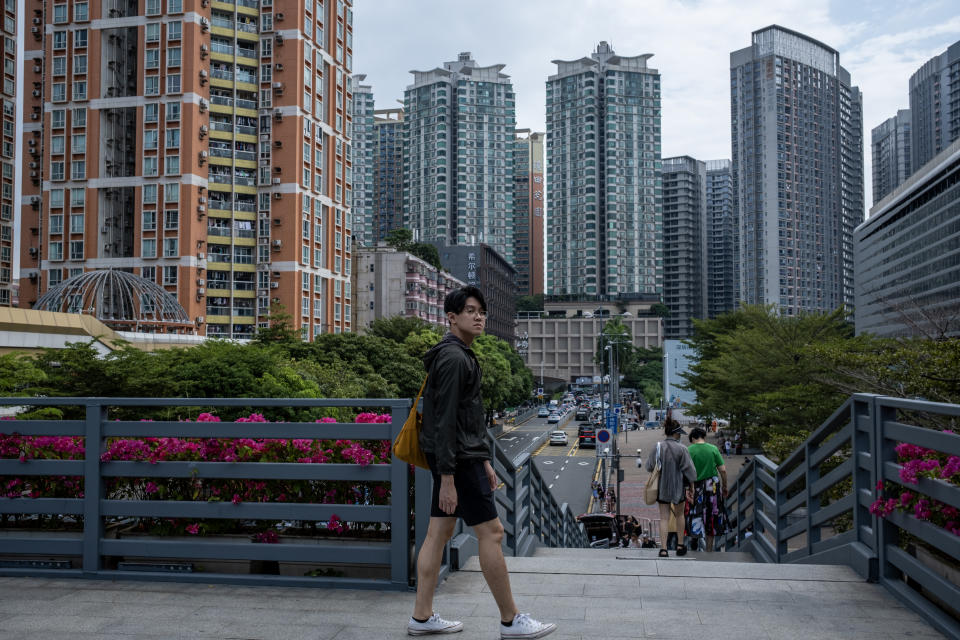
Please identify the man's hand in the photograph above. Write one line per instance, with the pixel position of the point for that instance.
(491, 475)
(448, 495)
(689, 494)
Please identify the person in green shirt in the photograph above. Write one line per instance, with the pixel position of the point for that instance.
(708, 513)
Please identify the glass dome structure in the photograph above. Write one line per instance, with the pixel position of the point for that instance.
(120, 300)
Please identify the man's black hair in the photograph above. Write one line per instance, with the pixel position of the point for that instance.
(456, 300)
(696, 433)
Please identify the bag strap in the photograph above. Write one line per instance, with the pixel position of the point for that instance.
(420, 393)
(659, 462)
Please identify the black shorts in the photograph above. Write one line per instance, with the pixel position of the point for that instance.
(475, 504)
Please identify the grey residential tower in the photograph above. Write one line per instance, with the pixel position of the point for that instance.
(890, 148)
(721, 240)
(684, 244)
(935, 105)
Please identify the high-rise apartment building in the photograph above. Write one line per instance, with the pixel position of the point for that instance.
(528, 201)
(387, 173)
(890, 150)
(797, 133)
(721, 240)
(685, 231)
(603, 171)
(935, 105)
(202, 145)
(364, 150)
(459, 124)
(10, 165)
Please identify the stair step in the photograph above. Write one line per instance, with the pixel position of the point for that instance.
(648, 554)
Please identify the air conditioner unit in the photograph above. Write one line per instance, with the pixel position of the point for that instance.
(276, 274)
(203, 131)
(204, 3)
(203, 106)
(277, 244)
(36, 93)
(277, 114)
(32, 142)
(37, 21)
(33, 276)
(277, 222)
(200, 319)
(276, 181)
(201, 255)
(201, 291)
(279, 38)
(278, 144)
(278, 66)
(278, 169)
(201, 199)
(37, 68)
(104, 229)
(34, 251)
(33, 174)
(34, 116)
(274, 285)
(204, 25)
(33, 165)
(201, 208)
(204, 50)
(278, 16)
(277, 196)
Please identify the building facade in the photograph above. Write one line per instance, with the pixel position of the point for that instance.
(603, 171)
(387, 173)
(908, 255)
(561, 341)
(391, 283)
(935, 105)
(11, 166)
(528, 201)
(721, 240)
(459, 125)
(482, 266)
(364, 157)
(890, 149)
(685, 243)
(797, 134)
(204, 146)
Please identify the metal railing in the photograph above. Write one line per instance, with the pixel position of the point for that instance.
(814, 507)
(530, 513)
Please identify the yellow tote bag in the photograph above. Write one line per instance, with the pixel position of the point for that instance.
(407, 445)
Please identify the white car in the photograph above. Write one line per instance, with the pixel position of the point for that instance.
(543, 412)
(558, 437)
(553, 418)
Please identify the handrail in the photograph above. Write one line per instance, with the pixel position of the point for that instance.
(816, 505)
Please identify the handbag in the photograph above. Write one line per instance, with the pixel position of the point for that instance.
(406, 446)
(652, 491)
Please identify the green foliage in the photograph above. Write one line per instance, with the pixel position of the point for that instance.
(397, 328)
(402, 240)
(281, 327)
(617, 335)
(506, 379)
(645, 373)
(530, 303)
(660, 310)
(19, 373)
(399, 239)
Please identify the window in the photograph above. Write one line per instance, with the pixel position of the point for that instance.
(56, 251)
(80, 90)
(150, 166)
(173, 138)
(171, 220)
(151, 59)
(266, 47)
(153, 7)
(56, 198)
(150, 137)
(59, 92)
(78, 169)
(173, 83)
(81, 12)
(266, 22)
(78, 143)
(171, 166)
(148, 248)
(59, 65)
(59, 13)
(151, 86)
(78, 197)
(149, 194)
(149, 220)
(55, 277)
(169, 275)
(173, 56)
(174, 30)
(59, 39)
(174, 6)
(79, 64)
(76, 249)
(171, 248)
(151, 112)
(76, 223)
(153, 32)
(56, 223)
(80, 39)
(173, 112)
(57, 144)
(56, 170)
(148, 273)
(58, 118)
(79, 117)
(171, 192)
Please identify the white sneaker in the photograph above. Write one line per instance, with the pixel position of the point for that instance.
(434, 624)
(524, 626)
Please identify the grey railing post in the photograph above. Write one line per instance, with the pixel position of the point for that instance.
(780, 548)
(813, 503)
(863, 478)
(884, 451)
(92, 485)
(400, 560)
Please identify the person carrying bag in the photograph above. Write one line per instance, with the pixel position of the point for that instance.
(406, 446)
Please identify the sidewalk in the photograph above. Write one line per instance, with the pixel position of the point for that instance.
(590, 594)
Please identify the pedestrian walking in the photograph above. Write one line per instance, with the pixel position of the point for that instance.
(707, 517)
(728, 446)
(455, 441)
(677, 475)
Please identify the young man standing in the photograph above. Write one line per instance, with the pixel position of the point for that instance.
(455, 441)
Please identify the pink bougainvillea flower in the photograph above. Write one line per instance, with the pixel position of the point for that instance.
(193, 529)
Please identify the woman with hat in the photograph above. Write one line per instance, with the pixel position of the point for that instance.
(677, 476)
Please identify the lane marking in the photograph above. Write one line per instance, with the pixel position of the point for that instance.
(550, 487)
(548, 462)
(556, 477)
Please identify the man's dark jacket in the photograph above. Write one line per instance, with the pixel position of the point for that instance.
(453, 419)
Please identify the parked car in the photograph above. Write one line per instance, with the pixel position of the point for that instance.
(587, 436)
(553, 418)
(543, 412)
(558, 437)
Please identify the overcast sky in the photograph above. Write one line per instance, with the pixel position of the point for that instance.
(881, 43)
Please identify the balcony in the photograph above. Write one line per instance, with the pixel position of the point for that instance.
(251, 131)
(245, 155)
(246, 104)
(221, 74)
(221, 153)
(221, 100)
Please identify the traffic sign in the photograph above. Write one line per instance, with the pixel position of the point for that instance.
(612, 422)
(603, 436)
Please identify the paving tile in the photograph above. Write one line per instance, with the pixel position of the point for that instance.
(50, 621)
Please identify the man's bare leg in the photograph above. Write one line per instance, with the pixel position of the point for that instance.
(709, 544)
(494, 567)
(439, 533)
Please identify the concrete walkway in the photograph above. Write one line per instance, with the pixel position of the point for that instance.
(591, 594)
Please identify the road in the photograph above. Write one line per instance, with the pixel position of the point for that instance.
(567, 469)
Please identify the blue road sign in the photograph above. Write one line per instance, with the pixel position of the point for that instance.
(603, 436)
(611, 422)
